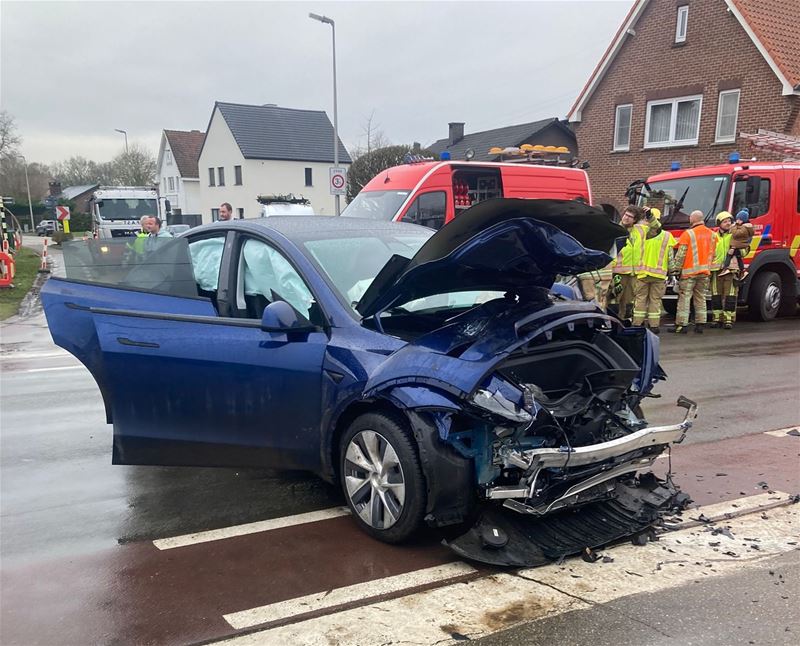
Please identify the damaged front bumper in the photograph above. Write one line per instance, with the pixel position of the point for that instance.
(612, 459)
(607, 503)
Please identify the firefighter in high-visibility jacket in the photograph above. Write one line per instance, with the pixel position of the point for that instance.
(651, 276)
(628, 260)
(595, 284)
(694, 255)
(724, 281)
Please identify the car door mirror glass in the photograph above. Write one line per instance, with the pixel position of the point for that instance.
(279, 316)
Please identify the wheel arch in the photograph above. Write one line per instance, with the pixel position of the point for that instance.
(777, 260)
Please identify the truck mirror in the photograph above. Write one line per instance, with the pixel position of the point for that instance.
(753, 188)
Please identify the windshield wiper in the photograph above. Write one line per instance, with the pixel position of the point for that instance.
(714, 205)
(678, 206)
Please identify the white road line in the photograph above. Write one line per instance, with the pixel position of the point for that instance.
(347, 594)
(250, 528)
(489, 604)
(782, 432)
(54, 368)
(21, 356)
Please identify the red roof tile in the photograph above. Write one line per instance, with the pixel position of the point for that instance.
(776, 23)
(185, 148)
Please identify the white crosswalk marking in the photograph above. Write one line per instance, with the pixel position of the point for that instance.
(487, 604)
(783, 432)
(347, 594)
(250, 528)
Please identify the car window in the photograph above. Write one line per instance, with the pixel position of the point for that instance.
(265, 275)
(206, 255)
(757, 204)
(428, 210)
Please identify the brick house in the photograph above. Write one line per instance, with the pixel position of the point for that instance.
(682, 81)
(547, 132)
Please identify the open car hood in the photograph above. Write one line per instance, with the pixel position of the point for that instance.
(500, 244)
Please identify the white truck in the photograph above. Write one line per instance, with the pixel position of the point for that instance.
(116, 210)
(284, 205)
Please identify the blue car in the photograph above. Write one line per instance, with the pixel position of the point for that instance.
(435, 375)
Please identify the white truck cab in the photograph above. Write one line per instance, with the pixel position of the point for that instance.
(284, 205)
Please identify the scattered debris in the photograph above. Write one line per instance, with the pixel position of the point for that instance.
(731, 553)
(589, 555)
(762, 484)
(608, 559)
(714, 544)
(720, 474)
(634, 573)
(794, 433)
(702, 518)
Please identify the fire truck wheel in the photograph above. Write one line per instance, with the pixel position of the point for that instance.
(764, 298)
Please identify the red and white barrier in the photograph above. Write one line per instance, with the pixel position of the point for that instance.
(43, 267)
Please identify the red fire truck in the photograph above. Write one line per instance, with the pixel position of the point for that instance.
(432, 193)
(770, 192)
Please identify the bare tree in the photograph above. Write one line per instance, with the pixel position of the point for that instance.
(76, 171)
(135, 167)
(374, 138)
(9, 138)
(12, 179)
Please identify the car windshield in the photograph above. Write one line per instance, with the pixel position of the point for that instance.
(376, 205)
(677, 198)
(352, 263)
(126, 209)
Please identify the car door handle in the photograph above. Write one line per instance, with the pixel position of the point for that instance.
(139, 344)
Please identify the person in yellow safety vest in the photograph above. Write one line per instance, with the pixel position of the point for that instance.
(724, 282)
(628, 260)
(694, 256)
(136, 247)
(651, 276)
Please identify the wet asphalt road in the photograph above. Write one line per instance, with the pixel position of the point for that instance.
(63, 501)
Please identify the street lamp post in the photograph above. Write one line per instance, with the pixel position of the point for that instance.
(28, 188)
(124, 132)
(329, 21)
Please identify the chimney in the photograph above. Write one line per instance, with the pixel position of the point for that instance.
(456, 131)
(55, 188)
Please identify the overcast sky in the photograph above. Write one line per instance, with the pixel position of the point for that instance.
(72, 72)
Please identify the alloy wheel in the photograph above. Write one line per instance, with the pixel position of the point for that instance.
(374, 479)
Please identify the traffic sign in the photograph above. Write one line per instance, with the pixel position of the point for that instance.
(62, 213)
(338, 181)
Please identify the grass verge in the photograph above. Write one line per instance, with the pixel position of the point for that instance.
(27, 266)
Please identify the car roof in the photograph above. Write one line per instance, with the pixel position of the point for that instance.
(313, 226)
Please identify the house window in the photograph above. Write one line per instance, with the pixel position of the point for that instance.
(241, 214)
(727, 113)
(682, 24)
(237, 175)
(211, 177)
(171, 184)
(169, 158)
(214, 214)
(221, 176)
(673, 122)
(309, 181)
(622, 128)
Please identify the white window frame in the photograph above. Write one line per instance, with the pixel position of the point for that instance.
(171, 182)
(627, 146)
(169, 157)
(727, 139)
(673, 122)
(683, 13)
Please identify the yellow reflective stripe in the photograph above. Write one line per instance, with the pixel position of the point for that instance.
(754, 246)
(663, 251)
(795, 246)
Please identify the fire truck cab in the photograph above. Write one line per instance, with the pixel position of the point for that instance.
(771, 194)
(432, 193)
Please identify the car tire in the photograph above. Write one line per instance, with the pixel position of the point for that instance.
(381, 477)
(764, 297)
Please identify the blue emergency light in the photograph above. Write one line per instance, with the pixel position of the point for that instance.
(734, 158)
(675, 165)
(445, 156)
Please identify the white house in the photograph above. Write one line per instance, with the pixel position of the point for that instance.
(178, 177)
(252, 150)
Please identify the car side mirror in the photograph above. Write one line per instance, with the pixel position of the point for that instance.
(753, 188)
(279, 316)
